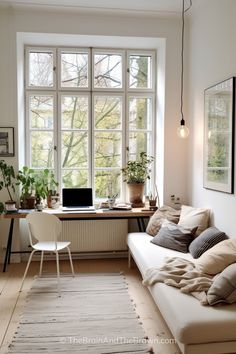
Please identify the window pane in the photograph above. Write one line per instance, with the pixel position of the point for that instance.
(107, 183)
(41, 112)
(41, 69)
(107, 112)
(140, 113)
(75, 178)
(42, 149)
(74, 69)
(139, 142)
(74, 149)
(107, 149)
(107, 71)
(74, 110)
(140, 71)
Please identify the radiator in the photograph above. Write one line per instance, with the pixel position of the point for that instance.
(95, 235)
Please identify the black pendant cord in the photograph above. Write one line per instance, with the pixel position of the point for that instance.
(182, 61)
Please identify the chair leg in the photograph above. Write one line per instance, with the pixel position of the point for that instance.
(26, 269)
(58, 272)
(41, 264)
(71, 263)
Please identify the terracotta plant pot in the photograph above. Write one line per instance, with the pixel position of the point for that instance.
(30, 202)
(136, 191)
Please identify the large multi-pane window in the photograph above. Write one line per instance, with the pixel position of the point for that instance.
(88, 111)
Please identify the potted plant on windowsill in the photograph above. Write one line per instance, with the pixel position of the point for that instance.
(46, 187)
(26, 179)
(135, 175)
(7, 180)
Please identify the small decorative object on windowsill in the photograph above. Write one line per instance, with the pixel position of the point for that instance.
(135, 175)
(111, 200)
(39, 207)
(154, 201)
(153, 204)
(55, 201)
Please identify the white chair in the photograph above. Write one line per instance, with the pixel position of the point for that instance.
(46, 228)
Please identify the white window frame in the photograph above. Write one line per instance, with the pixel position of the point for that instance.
(40, 50)
(125, 92)
(150, 53)
(123, 66)
(29, 130)
(73, 51)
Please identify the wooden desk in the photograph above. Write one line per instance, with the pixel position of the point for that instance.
(137, 214)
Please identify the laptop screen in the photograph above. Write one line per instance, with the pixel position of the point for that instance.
(77, 197)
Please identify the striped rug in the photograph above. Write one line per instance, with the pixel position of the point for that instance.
(94, 314)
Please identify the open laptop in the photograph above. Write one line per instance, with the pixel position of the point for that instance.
(77, 199)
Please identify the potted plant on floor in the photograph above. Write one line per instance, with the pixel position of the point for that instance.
(7, 180)
(135, 175)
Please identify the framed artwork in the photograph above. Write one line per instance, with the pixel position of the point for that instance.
(219, 136)
(6, 141)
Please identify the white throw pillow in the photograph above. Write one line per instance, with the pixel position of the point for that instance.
(218, 257)
(194, 217)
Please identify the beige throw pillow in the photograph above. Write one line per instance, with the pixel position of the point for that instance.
(194, 217)
(223, 288)
(155, 222)
(218, 257)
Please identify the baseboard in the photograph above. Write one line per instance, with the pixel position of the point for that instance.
(80, 255)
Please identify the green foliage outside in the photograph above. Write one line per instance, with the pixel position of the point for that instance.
(108, 124)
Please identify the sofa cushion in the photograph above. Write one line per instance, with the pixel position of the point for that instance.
(223, 288)
(155, 222)
(194, 217)
(146, 254)
(207, 239)
(174, 237)
(218, 257)
(192, 323)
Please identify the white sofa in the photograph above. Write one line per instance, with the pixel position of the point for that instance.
(197, 329)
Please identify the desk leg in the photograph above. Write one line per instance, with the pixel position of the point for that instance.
(9, 243)
(143, 225)
(139, 225)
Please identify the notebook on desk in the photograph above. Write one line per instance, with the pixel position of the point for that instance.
(77, 199)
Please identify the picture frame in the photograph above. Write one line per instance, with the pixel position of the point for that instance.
(7, 142)
(219, 126)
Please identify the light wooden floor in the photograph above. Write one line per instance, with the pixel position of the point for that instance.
(12, 302)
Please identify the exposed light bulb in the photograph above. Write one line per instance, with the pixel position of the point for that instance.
(183, 131)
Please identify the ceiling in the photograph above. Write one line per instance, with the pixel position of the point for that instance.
(134, 6)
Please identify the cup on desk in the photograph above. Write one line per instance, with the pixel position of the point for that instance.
(39, 207)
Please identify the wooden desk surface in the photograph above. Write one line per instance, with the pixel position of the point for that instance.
(99, 214)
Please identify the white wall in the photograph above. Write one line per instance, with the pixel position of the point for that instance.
(212, 58)
(13, 21)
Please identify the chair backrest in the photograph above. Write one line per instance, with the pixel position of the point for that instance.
(43, 227)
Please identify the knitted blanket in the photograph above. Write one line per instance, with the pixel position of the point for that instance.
(181, 273)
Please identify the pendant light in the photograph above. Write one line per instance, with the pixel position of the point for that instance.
(183, 130)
